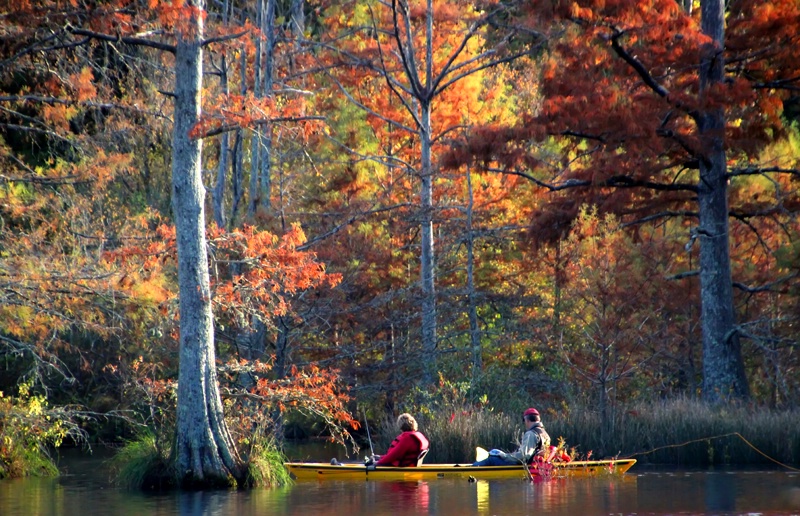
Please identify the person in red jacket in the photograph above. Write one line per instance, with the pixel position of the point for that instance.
(406, 447)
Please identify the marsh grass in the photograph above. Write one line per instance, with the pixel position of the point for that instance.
(684, 432)
(140, 464)
(680, 432)
(265, 467)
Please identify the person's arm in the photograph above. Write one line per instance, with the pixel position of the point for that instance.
(530, 440)
(405, 443)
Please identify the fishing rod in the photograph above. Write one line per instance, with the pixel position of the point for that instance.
(366, 424)
(527, 469)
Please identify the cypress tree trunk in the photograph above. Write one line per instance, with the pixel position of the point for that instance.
(427, 263)
(723, 369)
(204, 452)
(474, 329)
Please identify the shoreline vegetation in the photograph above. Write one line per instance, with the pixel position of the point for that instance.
(681, 432)
(142, 464)
(678, 432)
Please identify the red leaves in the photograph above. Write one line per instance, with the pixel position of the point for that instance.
(313, 390)
(272, 269)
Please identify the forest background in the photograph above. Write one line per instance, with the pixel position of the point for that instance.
(451, 208)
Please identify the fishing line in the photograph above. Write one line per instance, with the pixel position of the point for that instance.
(737, 434)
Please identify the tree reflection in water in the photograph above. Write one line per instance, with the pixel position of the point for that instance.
(86, 489)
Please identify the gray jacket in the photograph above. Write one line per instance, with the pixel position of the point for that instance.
(534, 441)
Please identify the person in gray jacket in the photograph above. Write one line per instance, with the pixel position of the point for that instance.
(535, 441)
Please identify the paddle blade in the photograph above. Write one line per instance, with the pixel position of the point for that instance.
(480, 454)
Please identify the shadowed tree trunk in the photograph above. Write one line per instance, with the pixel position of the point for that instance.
(723, 369)
(474, 329)
(261, 142)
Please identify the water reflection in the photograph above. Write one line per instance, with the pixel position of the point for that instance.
(86, 489)
(720, 492)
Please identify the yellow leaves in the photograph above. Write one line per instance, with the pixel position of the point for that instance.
(27, 426)
(13, 320)
(151, 290)
(14, 198)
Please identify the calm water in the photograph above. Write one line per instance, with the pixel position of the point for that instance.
(84, 489)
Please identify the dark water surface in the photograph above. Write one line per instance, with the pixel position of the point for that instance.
(84, 488)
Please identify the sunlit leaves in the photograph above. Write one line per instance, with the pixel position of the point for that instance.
(314, 391)
(271, 271)
(610, 291)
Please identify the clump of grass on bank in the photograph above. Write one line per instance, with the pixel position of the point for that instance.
(142, 465)
(265, 467)
(18, 461)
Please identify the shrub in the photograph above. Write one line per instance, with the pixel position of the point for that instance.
(28, 428)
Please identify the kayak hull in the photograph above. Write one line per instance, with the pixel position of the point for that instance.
(303, 471)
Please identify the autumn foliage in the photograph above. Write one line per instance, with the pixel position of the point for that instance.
(555, 151)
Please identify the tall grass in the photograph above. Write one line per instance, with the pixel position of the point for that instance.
(265, 467)
(680, 432)
(687, 432)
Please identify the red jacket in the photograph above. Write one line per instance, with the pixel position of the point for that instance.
(404, 450)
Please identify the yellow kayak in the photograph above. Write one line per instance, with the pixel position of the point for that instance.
(322, 471)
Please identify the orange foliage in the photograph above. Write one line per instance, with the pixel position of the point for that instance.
(272, 270)
(314, 391)
(594, 95)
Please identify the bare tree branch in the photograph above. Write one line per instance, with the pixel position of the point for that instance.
(261, 121)
(123, 39)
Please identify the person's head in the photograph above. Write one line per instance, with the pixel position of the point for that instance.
(531, 415)
(407, 423)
